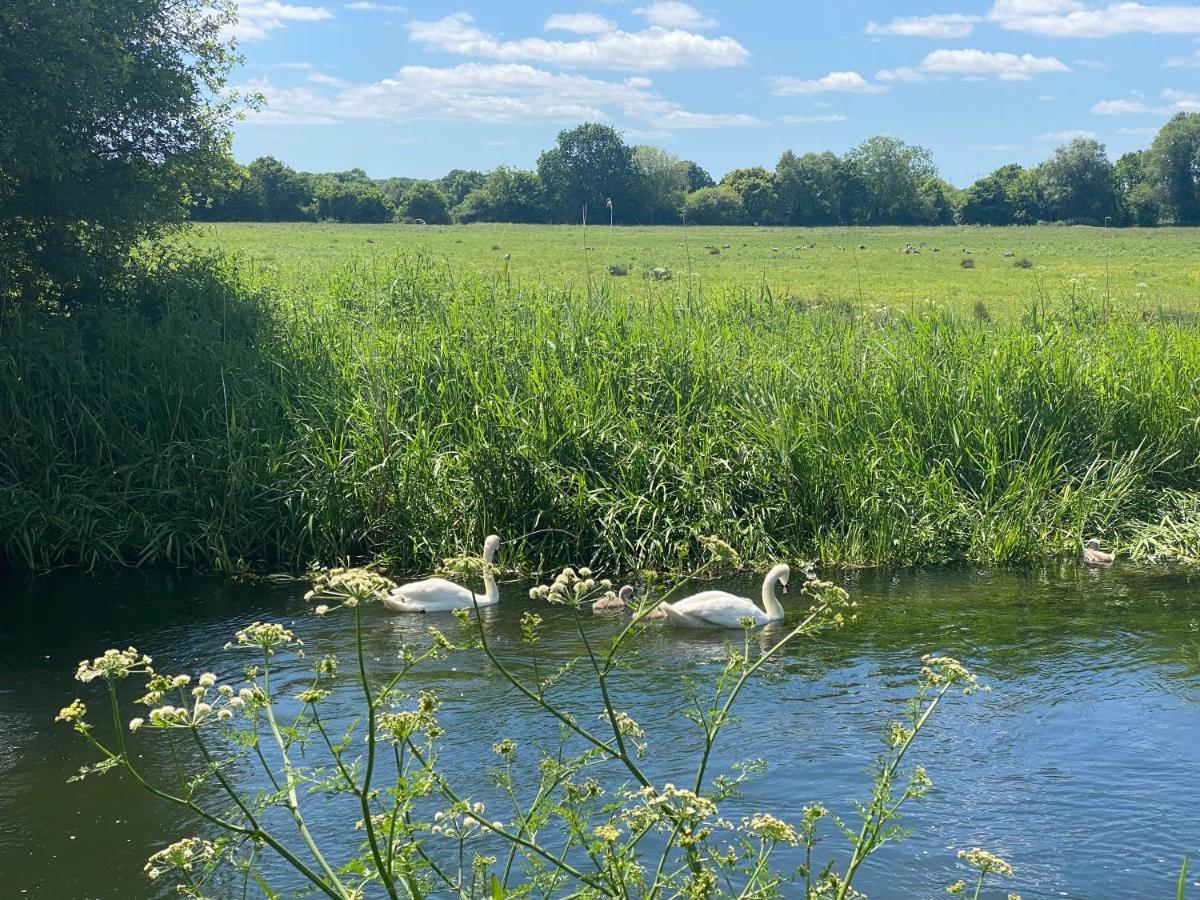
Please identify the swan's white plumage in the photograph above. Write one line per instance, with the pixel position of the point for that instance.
(720, 609)
(440, 595)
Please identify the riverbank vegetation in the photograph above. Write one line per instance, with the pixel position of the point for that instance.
(221, 418)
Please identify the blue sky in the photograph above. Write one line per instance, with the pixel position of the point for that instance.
(419, 88)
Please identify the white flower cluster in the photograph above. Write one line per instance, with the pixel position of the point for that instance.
(985, 862)
(182, 856)
(267, 636)
(348, 587)
(461, 821)
(207, 701)
(769, 828)
(112, 665)
(570, 587)
(945, 670)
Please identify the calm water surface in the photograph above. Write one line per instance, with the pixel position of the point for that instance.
(1082, 767)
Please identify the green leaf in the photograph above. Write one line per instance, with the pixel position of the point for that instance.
(1182, 879)
(498, 893)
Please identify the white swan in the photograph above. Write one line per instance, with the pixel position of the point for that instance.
(611, 602)
(440, 595)
(720, 609)
(1093, 555)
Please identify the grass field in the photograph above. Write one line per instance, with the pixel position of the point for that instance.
(401, 404)
(1148, 269)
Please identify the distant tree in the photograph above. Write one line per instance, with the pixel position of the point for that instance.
(664, 182)
(506, 195)
(854, 199)
(457, 183)
(714, 206)
(287, 194)
(351, 201)
(111, 115)
(807, 187)
(232, 196)
(1078, 182)
(394, 188)
(587, 166)
(698, 178)
(938, 202)
(892, 173)
(1174, 166)
(1137, 199)
(756, 187)
(424, 201)
(992, 200)
(1030, 205)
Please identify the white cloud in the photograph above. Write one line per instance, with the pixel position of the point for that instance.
(580, 23)
(975, 64)
(1138, 131)
(951, 25)
(258, 18)
(1073, 18)
(505, 93)
(1181, 101)
(654, 48)
(1046, 98)
(812, 120)
(1177, 101)
(367, 6)
(1120, 108)
(843, 82)
(1180, 62)
(1093, 64)
(1065, 137)
(673, 14)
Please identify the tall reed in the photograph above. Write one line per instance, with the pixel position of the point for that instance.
(403, 408)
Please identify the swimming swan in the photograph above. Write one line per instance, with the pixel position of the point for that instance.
(611, 602)
(1094, 556)
(440, 595)
(720, 609)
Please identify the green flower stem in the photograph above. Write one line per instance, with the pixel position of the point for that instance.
(292, 801)
(453, 797)
(876, 816)
(364, 795)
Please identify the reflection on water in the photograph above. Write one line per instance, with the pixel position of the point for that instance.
(1082, 767)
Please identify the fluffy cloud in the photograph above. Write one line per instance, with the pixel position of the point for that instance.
(1179, 62)
(258, 18)
(843, 82)
(654, 48)
(1176, 101)
(580, 23)
(1073, 18)
(673, 14)
(951, 25)
(505, 93)
(1065, 137)
(812, 120)
(368, 6)
(1120, 107)
(975, 64)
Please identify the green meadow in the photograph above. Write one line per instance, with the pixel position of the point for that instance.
(1145, 270)
(318, 393)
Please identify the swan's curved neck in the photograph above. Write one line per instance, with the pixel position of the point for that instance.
(771, 605)
(489, 580)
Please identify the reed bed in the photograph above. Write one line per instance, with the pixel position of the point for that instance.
(228, 418)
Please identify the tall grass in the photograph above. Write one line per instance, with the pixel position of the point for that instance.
(406, 408)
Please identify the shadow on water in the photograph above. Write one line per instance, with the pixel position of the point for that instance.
(1081, 766)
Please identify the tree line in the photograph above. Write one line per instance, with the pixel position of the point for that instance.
(884, 181)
